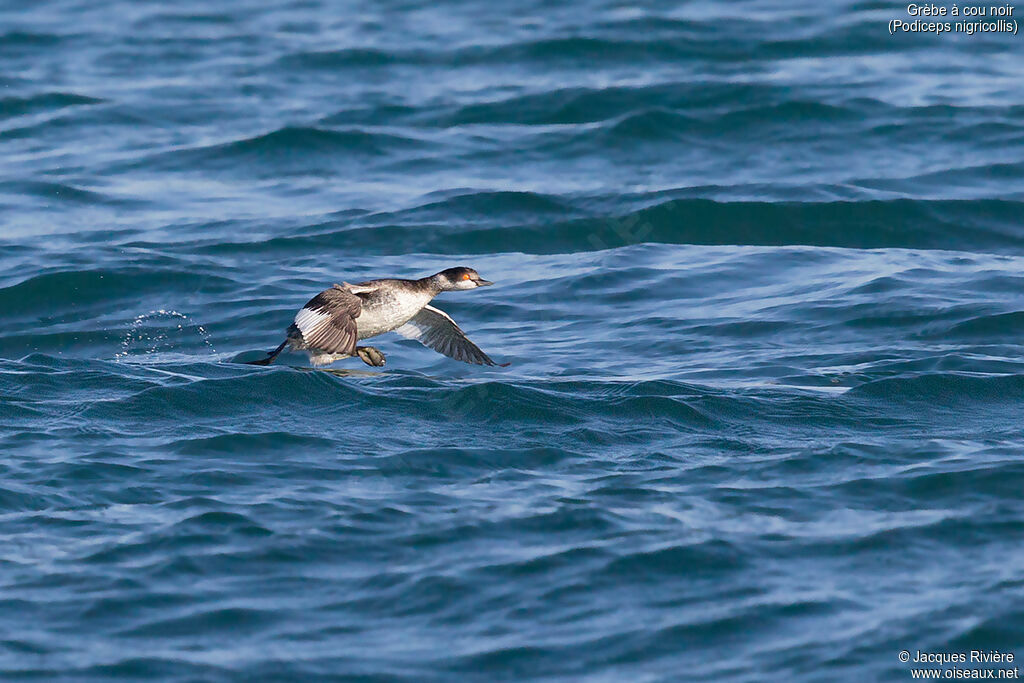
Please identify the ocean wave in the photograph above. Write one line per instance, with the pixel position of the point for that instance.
(992, 328)
(549, 50)
(652, 124)
(293, 144)
(19, 43)
(51, 101)
(482, 402)
(947, 389)
(335, 59)
(868, 224)
(577, 105)
(35, 296)
(449, 462)
(63, 193)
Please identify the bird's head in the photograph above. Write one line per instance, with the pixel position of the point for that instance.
(459, 278)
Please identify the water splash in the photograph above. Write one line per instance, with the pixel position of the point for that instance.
(160, 332)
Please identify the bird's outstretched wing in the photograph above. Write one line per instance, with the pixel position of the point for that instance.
(434, 329)
(328, 321)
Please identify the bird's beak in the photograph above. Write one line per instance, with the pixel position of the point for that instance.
(483, 283)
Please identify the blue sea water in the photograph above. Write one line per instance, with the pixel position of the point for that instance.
(760, 279)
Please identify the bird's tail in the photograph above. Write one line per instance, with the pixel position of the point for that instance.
(271, 355)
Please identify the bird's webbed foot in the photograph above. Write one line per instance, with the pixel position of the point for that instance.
(371, 356)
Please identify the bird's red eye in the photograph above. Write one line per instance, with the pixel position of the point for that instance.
(466, 276)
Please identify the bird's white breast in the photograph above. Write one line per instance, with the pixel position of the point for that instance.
(384, 311)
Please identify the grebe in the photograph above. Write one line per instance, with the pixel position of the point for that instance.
(331, 323)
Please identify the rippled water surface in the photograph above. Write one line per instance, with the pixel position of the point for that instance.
(760, 279)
